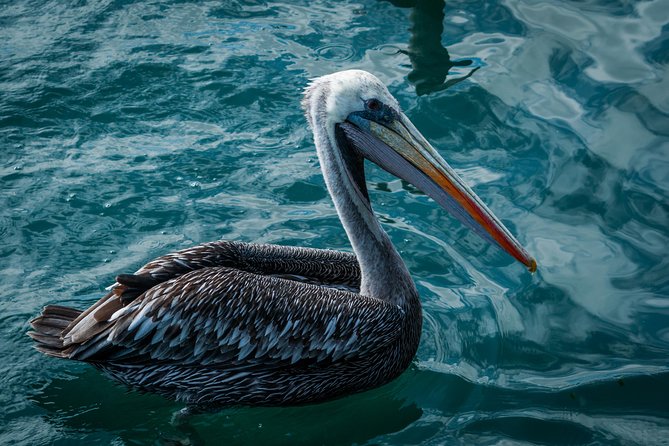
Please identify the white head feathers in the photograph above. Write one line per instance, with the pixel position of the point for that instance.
(337, 95)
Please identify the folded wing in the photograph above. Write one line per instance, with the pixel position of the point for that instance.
(227, 318)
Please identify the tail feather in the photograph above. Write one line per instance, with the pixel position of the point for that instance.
(49, 327)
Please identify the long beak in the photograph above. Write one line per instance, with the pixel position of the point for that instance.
(398, 147)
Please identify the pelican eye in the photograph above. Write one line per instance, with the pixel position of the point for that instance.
(376, 111)
(373, 104)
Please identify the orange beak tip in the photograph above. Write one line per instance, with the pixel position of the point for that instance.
(532, 267)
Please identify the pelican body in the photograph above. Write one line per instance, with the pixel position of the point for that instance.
(229, 323)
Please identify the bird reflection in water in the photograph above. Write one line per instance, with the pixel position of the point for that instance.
(429, 59)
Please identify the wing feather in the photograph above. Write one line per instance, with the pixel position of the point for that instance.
(227, 318)
(317, 266)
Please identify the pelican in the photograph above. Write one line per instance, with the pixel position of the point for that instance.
(240, 324)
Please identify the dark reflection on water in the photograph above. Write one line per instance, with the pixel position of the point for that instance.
(136, 419)
(130, 129)
(429, 59)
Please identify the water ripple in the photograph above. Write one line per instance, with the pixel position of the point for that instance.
(133, 129)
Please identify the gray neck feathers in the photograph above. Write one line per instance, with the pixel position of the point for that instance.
(383, 273)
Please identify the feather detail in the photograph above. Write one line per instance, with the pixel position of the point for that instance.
(246, 313)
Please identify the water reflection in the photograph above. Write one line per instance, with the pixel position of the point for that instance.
(429, 59)
(142, 419)
(569, 119)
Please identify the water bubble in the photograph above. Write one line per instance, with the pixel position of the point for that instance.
(389, 50)
(336, 52)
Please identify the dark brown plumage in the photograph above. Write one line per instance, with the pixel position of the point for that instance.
(244, 330)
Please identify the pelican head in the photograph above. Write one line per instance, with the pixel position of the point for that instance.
(357, 113)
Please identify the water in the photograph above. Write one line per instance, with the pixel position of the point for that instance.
(132, 129)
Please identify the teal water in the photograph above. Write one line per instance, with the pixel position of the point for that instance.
(129, 130)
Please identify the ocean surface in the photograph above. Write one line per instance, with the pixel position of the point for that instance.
(132, 129)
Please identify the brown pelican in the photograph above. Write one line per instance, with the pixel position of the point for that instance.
(229, 323)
